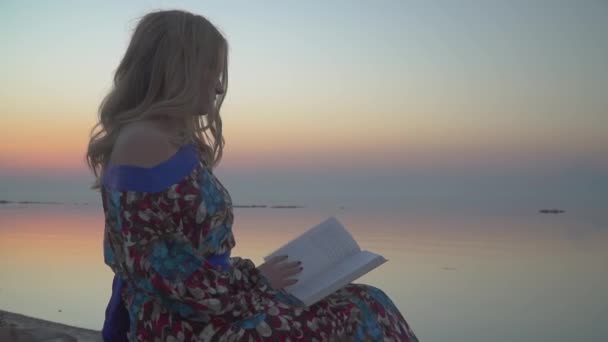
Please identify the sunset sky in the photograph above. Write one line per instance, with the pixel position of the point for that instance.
(456, 95)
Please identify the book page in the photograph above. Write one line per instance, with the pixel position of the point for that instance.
(337, 277)
(319, 248)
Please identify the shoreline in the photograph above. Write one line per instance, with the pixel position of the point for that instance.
(18, 327)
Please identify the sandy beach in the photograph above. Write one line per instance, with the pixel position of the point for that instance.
(15, 327)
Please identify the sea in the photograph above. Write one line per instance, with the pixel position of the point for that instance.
(460, 274)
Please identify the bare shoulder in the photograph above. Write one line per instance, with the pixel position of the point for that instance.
(141, 144)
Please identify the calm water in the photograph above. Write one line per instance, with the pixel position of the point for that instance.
(456, 276)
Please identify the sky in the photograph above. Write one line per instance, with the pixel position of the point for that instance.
(415, 101)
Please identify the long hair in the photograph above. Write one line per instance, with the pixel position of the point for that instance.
(170, 70)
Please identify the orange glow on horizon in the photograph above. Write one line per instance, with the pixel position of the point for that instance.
(288, 143)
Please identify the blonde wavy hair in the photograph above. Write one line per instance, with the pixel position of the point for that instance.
(170, 71)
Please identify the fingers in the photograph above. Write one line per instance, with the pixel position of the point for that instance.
(289, 265)
(282, 263)
(277, 259)
(292, 269)
(280, 272)
(288, 282)
(288, 272)
(284, 283)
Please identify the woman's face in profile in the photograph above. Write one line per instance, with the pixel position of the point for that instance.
(218, 89)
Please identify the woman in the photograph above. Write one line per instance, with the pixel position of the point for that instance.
(168, 219)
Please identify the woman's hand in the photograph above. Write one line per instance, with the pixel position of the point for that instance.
(279, 272)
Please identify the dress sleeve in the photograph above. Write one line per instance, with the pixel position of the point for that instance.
(161, 242)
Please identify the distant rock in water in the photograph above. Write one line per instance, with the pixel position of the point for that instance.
(250, 206)
(28, 202)
(38, 202)
(551, 211)
(286, 206)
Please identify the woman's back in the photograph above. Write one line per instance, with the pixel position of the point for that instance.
(143, 144)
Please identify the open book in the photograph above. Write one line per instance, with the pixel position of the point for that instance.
(331, 259)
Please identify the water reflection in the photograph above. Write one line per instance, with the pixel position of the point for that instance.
(455, 277)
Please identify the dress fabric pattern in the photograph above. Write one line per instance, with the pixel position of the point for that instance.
(168, 236)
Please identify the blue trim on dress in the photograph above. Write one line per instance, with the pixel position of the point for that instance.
(152, 179)
(116, 323)
(220, 260)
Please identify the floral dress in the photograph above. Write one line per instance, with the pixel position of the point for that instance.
(168, 236)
